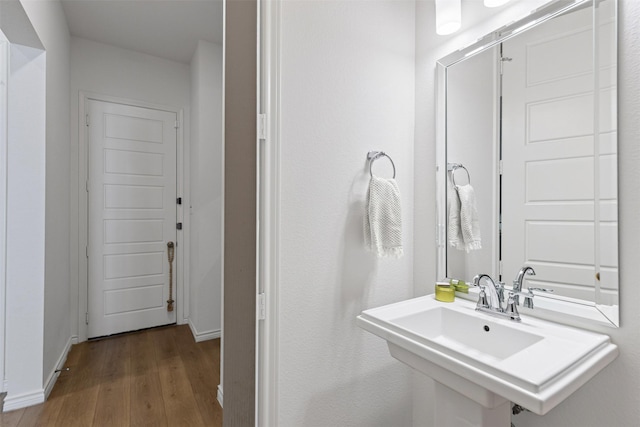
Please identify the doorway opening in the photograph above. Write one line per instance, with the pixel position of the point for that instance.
(131, 192)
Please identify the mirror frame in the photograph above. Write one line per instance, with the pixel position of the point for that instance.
(577, 312)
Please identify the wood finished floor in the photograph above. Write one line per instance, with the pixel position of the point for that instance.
(156, 377)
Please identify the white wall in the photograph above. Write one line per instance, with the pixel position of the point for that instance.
(114, 71)
(611, 398)
(347, 88)
(25, 227)
(50, 23)
(108, 70)
(37, 327)
(205, 273)
(16, 25)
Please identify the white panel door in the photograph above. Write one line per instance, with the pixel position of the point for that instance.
(549, 144)
(132, 216)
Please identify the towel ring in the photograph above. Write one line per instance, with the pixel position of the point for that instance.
(375, 155)
(453, 173)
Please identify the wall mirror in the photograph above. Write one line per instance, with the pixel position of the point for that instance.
(527, 116)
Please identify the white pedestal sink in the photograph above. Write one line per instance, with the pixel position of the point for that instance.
(482, 363)
(456, 410)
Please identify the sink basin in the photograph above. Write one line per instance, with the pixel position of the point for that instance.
(471, 336)
(490, 360)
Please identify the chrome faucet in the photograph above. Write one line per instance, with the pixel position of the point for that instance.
(517, 282)
(493, 303)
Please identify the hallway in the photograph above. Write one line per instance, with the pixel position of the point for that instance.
(155, 377)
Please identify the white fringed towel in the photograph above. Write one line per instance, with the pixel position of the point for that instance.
(383, 218)
(464, 227)
(454, 232)
(469, 221)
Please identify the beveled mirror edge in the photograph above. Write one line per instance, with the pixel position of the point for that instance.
(441, 168)
(581, 314)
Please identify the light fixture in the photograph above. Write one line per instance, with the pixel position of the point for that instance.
(495, 3)
(448, 16)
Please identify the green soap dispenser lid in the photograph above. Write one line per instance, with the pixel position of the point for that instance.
(459, 286)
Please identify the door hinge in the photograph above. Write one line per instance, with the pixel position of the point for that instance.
(176, 124)
(502, 61)
(86, 119)
(179, 201)
(179, 226)
(86, 186)
(86, 318)
(500, 167)
(262, 309)
(86, 251)
(500, 268)
(262, 126)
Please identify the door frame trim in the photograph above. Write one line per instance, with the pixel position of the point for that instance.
(182, 190)
(268, 333)
(4, 143)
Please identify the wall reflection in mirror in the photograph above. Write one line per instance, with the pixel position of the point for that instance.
(531, 115)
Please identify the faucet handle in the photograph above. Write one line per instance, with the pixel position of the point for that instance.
(482, 298)
(528, 301)
(500, 290)
(528, 296)
(512, 308)
(476, 281)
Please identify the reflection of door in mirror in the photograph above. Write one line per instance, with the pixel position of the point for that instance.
(559, 194)
(472, 127)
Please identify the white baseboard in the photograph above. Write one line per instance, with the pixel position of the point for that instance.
(53, 375)
(23, 400)
(203, 336)
(220, 395)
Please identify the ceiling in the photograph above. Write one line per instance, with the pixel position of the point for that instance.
(166, 28)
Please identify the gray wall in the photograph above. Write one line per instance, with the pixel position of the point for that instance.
(239, 288)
